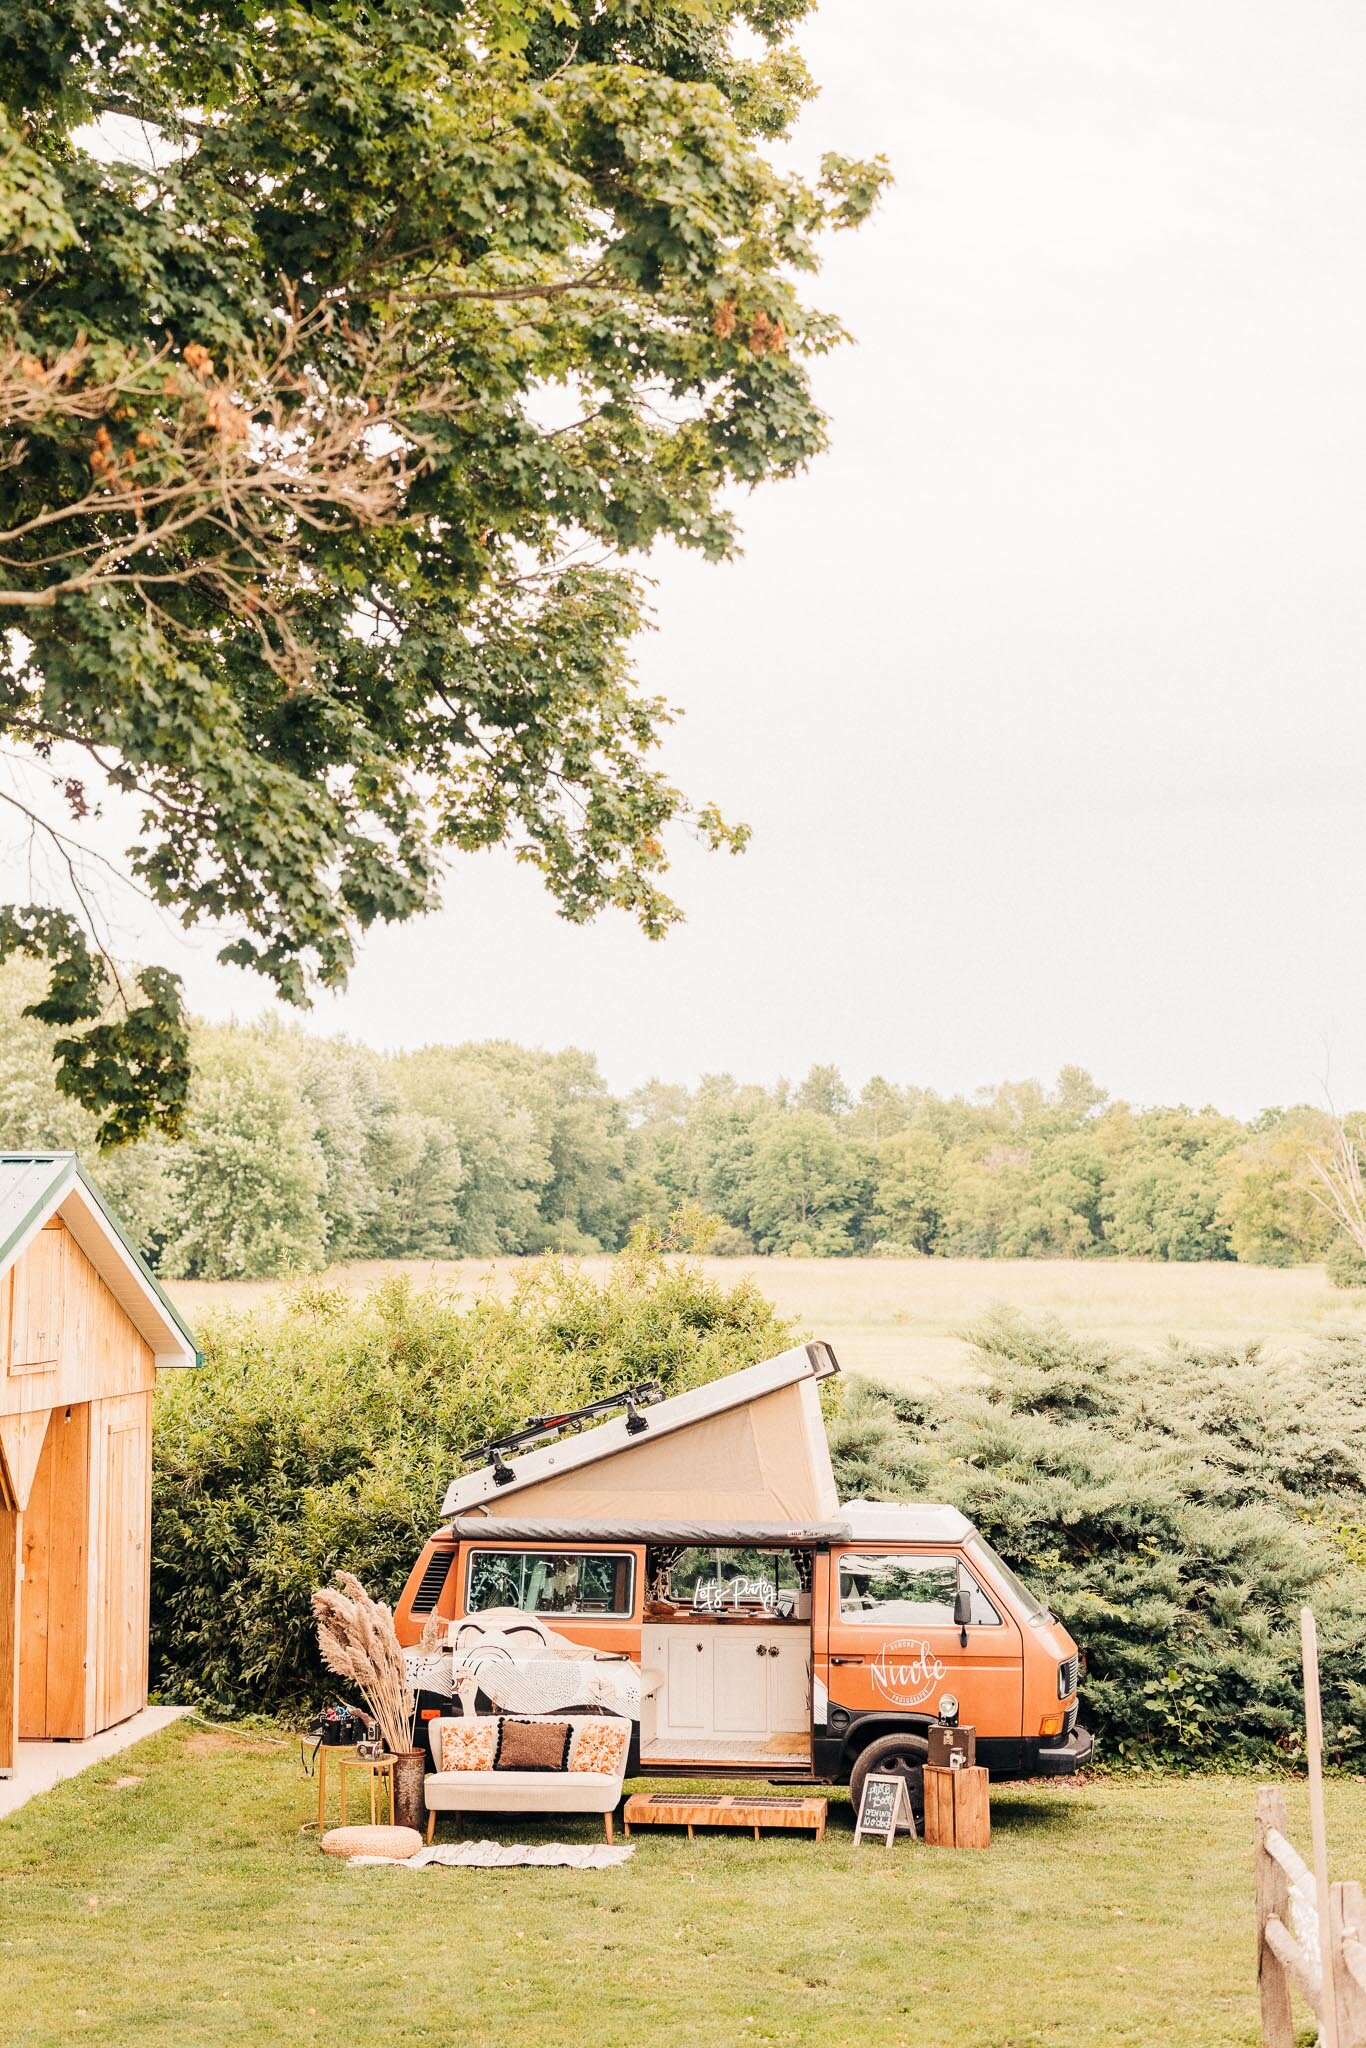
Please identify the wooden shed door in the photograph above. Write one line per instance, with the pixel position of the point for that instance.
(53, 1609)
(124, 1561)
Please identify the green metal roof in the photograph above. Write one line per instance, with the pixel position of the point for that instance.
(36, 1185)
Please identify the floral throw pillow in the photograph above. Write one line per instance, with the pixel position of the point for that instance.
(469, 1745)
(600, 1746)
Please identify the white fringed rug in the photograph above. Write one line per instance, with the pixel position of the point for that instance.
(504, 1856)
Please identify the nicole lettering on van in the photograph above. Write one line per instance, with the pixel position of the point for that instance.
(906, 1671)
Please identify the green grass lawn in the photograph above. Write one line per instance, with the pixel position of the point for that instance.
(191, 1906)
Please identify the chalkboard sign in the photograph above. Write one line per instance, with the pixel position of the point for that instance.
(884, 1806)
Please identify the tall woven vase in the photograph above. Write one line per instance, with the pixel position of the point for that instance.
(410, 1768)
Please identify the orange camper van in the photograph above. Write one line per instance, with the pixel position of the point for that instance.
(778, 1633)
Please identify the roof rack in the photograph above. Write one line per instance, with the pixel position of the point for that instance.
(537, 1428)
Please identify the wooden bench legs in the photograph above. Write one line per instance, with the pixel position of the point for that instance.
(431, 1824)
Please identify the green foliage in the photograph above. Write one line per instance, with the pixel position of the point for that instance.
(394, 1176)
(130, 1066)
(341, 405)
(1176, 1511)
(35, 1114)
(1346, 1264)
(804, 1186)
(325, 1433)
(247, 1184)
(1268, 1206)
(1165, 1207)
(909, 1189)
(478, 1151)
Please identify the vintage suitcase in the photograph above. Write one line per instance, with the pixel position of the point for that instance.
(948, 1739)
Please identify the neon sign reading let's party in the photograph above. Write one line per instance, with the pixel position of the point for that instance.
(906, 1671)
(710, 1594)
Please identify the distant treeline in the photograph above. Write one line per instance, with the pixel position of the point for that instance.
(306, 1150)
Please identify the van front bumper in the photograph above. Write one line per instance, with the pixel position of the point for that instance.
(1060, 1759)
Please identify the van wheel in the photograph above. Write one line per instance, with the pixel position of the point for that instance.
(901, 1756)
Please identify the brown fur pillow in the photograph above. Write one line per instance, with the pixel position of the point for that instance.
(533, 1746)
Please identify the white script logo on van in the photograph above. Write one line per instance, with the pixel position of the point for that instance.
(906, 1671)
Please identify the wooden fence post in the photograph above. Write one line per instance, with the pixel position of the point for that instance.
(1273, 1903)
(1349, 1921)
(1313, 1730)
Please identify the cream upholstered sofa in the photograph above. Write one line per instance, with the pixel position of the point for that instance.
(487, 1789)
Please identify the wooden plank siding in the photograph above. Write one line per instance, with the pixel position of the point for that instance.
(53, 1639)
(98, 1351)
(36, 1594)
(9, 1634)
(37, 1282)
(120, 1537)
(73, 1628)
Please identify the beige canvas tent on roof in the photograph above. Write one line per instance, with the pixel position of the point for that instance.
(750, 1448)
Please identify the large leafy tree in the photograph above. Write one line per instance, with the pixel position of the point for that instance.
(339, 400)
(806, 1186)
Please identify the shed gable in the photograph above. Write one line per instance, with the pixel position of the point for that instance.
(63, 1335)
(38, 1190)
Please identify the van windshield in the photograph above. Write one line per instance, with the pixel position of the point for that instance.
(1034, 1608)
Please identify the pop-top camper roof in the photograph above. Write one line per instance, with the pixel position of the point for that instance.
(749, 1449)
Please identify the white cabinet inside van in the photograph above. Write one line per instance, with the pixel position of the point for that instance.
(726, 1687)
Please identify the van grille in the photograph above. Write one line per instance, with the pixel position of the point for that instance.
(1067, 1676)
(432, 1581)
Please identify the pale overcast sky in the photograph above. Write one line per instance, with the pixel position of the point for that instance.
(1043, 691)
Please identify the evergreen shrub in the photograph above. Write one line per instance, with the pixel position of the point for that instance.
(1175, 1511)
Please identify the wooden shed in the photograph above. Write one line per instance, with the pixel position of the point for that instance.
(83, 1329)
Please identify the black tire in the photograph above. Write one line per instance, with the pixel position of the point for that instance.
(902, 1755)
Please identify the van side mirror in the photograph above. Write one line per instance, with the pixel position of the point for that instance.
(962, 1613)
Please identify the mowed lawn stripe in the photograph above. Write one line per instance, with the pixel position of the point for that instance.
(190, 1908)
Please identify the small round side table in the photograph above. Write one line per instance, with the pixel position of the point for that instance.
(375, 1768)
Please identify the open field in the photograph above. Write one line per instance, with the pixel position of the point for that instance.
(187, 1905)
(903, 1319)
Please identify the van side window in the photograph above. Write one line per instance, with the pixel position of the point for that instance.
(891, 1589)
(551, 1581)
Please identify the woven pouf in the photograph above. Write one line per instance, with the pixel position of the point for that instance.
(396, 1843)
